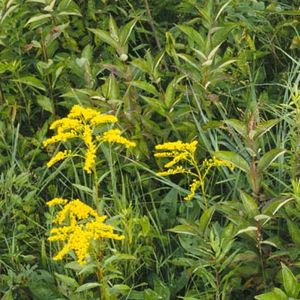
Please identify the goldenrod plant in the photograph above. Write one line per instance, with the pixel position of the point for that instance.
(214, 84)
(184, 161)
(78, 226)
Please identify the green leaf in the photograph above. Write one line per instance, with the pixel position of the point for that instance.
(290, 283)
(8, 296)
(249, 204)
(247, 229)
(69, 281)
(276, 294)
(38, 18)
(193, 34)
(233, 158)
(184, 229)
(294, 232)
(238, 126)
(84, 189)
(264, 127)
(148, 87)
(126, 32)
(31, 81)
(7, 12)
(113, 29)
(267, 159)
(206, 218)
(87, 286)
(120, 289)
(141, 64)
(155, 104)
(105, 37)
(170, 94)
(45, 103)
(118, 257)
(189, 60)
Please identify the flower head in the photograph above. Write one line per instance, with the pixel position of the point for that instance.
(80, 123)
(78, 225)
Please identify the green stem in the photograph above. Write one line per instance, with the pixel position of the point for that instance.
(261, 259)
(49, 79)
(150, 19)
(201, 178)
(96, 187)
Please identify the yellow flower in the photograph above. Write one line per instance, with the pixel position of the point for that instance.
(58, 157)
(90, 155)
(178, 146)
(56, 201)
(178, 157)
(193, 187)
(103, 119)
(80, 123)
(79, 225)
(177, 170)
(179, 151)
(215, 162)
(61, 137)
(114, 136)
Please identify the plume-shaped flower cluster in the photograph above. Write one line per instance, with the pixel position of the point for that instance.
(78, 225)
(81, 123)
(184, 161)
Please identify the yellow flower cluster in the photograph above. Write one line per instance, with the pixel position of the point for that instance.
(58, 157)
(193, 187)
(178, 146)
(78, 226)
(181, 152)
(114, 136)
(215, 162)
(56, 201)
(80, 123)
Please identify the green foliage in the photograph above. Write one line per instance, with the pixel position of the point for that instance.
(224, 73)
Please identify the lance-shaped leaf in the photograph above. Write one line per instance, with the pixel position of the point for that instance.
(294, 232)
(264, 127)
(234, 158)
(267, 159)
(193, 34)
(277, 294)
(105, 37)
(238, 126)
(290, 282)
(206, 218)
(126, 31)
(148, 87)
(249, 204)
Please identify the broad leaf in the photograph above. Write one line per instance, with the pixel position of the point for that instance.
(290, 283)
(249, 204)
(234, 158)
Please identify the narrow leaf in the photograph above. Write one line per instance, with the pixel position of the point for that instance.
(31, 81)
(267, 159)
(87, 286)
(126, 32)
(206, 218)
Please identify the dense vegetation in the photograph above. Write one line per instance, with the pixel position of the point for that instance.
(177, 125)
